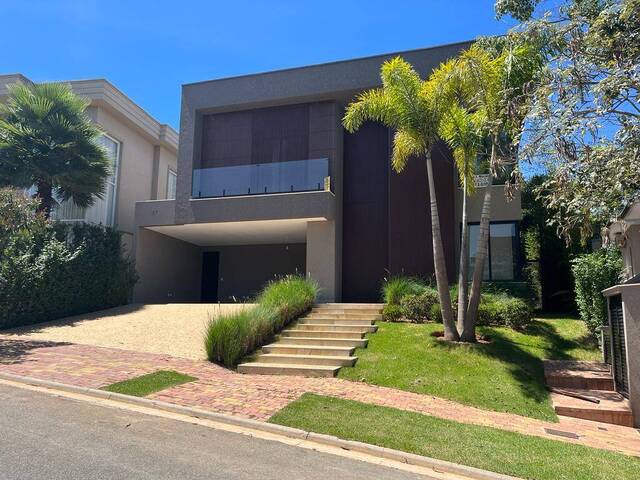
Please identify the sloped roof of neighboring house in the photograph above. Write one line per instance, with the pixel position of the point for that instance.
(104, 94)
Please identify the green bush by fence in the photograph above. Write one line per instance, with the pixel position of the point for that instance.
(593, 272)
(50, 270)
(228, 338)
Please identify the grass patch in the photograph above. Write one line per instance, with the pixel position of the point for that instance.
(476, 446)
(505, 375)
(150, 383)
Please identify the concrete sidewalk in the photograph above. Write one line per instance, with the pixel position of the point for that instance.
(260, 396)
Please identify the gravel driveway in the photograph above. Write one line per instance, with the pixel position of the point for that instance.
(173, 329)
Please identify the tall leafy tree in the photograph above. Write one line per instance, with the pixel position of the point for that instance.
(585, 122)
(411, 107)
(48, 141)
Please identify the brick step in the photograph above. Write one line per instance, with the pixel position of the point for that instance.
(258, 368)
(322, 334)
(333, 321)
(295, 349)
(324, 341)
(329, 360)
(336, 327)
(578, 375)
(613, 407)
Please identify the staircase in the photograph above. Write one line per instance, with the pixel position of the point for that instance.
(585, 390)
(320, 343)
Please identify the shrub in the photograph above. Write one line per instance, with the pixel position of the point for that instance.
(391, 313)
(51, 270)
(593, 272)
(419, 308)
(230, 337)
(394, 289)
(504, 310)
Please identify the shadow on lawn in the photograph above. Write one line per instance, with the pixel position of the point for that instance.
(525, 367)
(13, 351)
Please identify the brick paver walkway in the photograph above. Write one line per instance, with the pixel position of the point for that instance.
(260, 396)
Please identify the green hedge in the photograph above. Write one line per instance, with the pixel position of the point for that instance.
(593, 272)
(228, 338)
(50, 270)
(415, 301)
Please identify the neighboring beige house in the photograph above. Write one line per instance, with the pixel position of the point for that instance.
(143, 152)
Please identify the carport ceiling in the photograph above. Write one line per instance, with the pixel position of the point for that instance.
(239, 233)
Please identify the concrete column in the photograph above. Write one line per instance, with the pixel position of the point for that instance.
(323, 263)
(631, 303)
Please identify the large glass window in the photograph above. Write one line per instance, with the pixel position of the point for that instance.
(502, 261)
(102, 211)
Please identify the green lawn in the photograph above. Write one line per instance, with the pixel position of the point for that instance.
(150, 383)
(505, 375)
(482, 447)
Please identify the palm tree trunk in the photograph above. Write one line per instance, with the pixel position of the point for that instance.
(45, 194)
(463, 269)
(442, 281)
(469, 332)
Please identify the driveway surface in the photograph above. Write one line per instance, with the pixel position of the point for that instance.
(173, 329)
(52, 438)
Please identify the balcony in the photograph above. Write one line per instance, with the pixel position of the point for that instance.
(263, 178)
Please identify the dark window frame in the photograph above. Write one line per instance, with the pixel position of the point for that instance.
(517, 274)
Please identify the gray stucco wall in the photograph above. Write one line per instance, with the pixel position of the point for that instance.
(169, 269)
(245, 269)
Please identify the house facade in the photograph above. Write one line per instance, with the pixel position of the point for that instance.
(143, 154)
(269, 183)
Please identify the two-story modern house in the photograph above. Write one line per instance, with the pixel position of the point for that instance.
(269, 183)
(143, 153)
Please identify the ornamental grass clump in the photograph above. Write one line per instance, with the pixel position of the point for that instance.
(230, 337)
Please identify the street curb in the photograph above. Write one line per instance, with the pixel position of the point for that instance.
(289, 432)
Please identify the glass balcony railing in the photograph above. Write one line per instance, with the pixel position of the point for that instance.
(261, 178)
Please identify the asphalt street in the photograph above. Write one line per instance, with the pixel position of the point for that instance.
(53, 438)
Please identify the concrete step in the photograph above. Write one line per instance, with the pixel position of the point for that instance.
(578, 375)
(258, 368)
(296, 349)
(321, 333)
(367, 306)
(336, 327)
(324, 341)
(331, 321)
(345, 316)
(328, 360)
(612, 407)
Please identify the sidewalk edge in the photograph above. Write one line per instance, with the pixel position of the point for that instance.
(289, 432)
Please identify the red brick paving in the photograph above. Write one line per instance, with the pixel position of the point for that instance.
(260, 396)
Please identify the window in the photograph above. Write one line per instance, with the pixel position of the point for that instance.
(502, 261)
(102, 211)
(172, 178)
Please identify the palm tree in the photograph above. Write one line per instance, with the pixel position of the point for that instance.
(496, 77)
(462, 130)
(412, 108)
(48, 141)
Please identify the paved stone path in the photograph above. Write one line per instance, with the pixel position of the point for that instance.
(260, 396)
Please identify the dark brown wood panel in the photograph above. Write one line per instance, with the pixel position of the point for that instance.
(410, 241)
(365, 213)
(266, 135)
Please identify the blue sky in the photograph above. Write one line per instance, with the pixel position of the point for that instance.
(149, 49)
